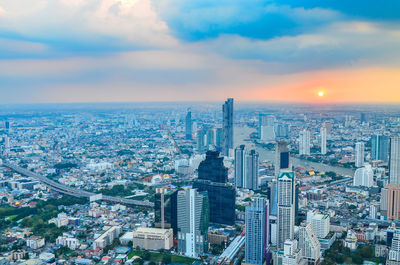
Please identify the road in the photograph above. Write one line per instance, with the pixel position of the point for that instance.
(73, 191)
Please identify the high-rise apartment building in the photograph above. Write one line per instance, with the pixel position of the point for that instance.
(394, 252)
(227, 126)
(309, 244)
(251, 170)
(304, 142)
(218, 139)
(268, 129)
(394, 161)
(286, 207)
(257, 233)
(364, 177)
(359, 154)
(379, 147)
(193, 221)
(320, 223)
(188, 125)
(323, 139)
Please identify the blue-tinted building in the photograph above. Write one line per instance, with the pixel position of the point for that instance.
(257, 232)
(227, 126)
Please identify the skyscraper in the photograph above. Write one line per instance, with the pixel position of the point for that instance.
(221, 195)
(309, 244)
(192, 222)
(218, 139)
(359, 154)
(268, 129)
(282, 157)
(257, 224)
(286, 207)
(323, 139)
(261, 121)
(165, 210)
(304, 142)
(251, 170)
(227, 126)
(210, 137)
(200, 141)
(390, 202)
(239, 166)
(379, 147)
(394, 161)
(188, 125)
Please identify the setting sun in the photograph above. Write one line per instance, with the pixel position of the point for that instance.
(320, 93)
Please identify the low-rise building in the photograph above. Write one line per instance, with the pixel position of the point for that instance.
(35, 242)
(153, 238)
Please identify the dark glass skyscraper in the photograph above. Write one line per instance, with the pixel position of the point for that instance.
(170, 210)
(212, 178)
(227, 126)
(212, 168)
(188, 123)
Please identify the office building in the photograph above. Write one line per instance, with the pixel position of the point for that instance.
(200, 141)
(390, 202)
(210, 138)
(379, 147)
(268, 129)
(218, 139)
(153, 238)
(364, 177)
(188, 125)
(227, 126)
(257, 224)
(193, 221)
(304, 142)
(212, 168)
(359, 154)
(394, 252)
(309, 244)
(394, 161)
(251, 170)
(165, 211)
(323, 139)
(282, 157)
(221, 195)
(239, 166)
(320, 223)
(286, 207)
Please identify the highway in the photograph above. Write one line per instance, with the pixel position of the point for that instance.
(72, 191)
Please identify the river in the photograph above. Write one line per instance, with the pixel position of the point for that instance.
(242, 133)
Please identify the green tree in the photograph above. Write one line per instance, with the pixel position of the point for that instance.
(166, 259)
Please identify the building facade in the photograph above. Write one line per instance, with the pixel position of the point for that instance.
(227, 126)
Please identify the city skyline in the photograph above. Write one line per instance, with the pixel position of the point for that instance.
(141, 51)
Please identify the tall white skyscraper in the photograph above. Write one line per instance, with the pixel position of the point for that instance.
(257, 224)
(319, 223)
(359, 154)
(6, 144)
(267, 129)
(304, 142)
(193, 219)
(323, 139)
(286, 207)
(309, 244)
(251, 170)
(364, 177)
(394, 160)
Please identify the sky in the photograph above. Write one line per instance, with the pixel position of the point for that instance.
(199, 50)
